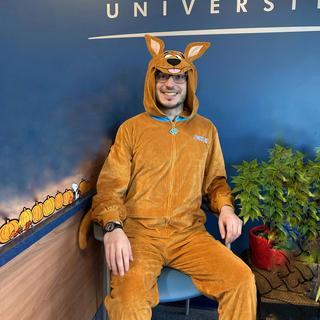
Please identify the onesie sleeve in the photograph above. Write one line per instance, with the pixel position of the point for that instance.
(108, 203)
(215, 187)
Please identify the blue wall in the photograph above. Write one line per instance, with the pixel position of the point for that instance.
(62, 96)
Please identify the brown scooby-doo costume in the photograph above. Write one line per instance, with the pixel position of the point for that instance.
(153, 182)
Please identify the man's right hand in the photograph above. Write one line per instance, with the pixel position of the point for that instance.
(118, 251)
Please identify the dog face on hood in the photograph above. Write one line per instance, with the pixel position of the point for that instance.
(172, 62)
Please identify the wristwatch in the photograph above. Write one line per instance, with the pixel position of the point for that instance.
(110, 226)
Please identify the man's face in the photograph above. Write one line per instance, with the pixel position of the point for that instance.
(171, 91)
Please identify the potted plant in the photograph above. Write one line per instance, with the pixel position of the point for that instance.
(283, 193)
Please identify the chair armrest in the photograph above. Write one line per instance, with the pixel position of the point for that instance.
(98, 232)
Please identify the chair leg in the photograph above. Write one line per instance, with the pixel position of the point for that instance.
(104, 313)
(187, 307)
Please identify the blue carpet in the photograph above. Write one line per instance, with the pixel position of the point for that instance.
(163, 312)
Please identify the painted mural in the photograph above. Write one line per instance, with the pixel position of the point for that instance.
(40, 210)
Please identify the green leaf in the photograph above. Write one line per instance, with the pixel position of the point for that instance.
(245, 219)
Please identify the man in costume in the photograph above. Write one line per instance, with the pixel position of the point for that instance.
(149, 194)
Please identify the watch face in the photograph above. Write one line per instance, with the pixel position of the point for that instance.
(109, 227)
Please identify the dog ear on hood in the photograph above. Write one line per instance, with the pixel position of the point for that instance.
(172, 62)
(154, 45)
(195, 50)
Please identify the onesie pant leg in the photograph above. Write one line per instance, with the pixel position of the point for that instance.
(218, 274)
(133, 295)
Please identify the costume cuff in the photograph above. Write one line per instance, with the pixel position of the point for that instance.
(109, 214)
(224, 201)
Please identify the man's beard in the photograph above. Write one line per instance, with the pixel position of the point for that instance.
(162, 106)
(170, 107)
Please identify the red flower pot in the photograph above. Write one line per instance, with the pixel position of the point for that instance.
(263, 256)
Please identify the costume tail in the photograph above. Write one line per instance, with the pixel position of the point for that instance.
(84, 231)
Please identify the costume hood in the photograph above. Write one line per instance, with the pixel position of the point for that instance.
(172, 62)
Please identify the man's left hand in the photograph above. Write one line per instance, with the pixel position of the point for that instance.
(230, 225)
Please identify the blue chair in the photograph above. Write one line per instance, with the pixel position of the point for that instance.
(173, 285)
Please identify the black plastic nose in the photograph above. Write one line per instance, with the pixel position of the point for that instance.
(173, 62)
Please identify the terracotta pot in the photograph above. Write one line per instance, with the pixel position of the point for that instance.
(263, 256)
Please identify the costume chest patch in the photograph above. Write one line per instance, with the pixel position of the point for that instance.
(200, 138)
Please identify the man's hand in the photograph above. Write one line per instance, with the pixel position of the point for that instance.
(118, 251)
(229, 224)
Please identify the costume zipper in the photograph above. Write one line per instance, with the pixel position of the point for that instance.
(173, 131)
